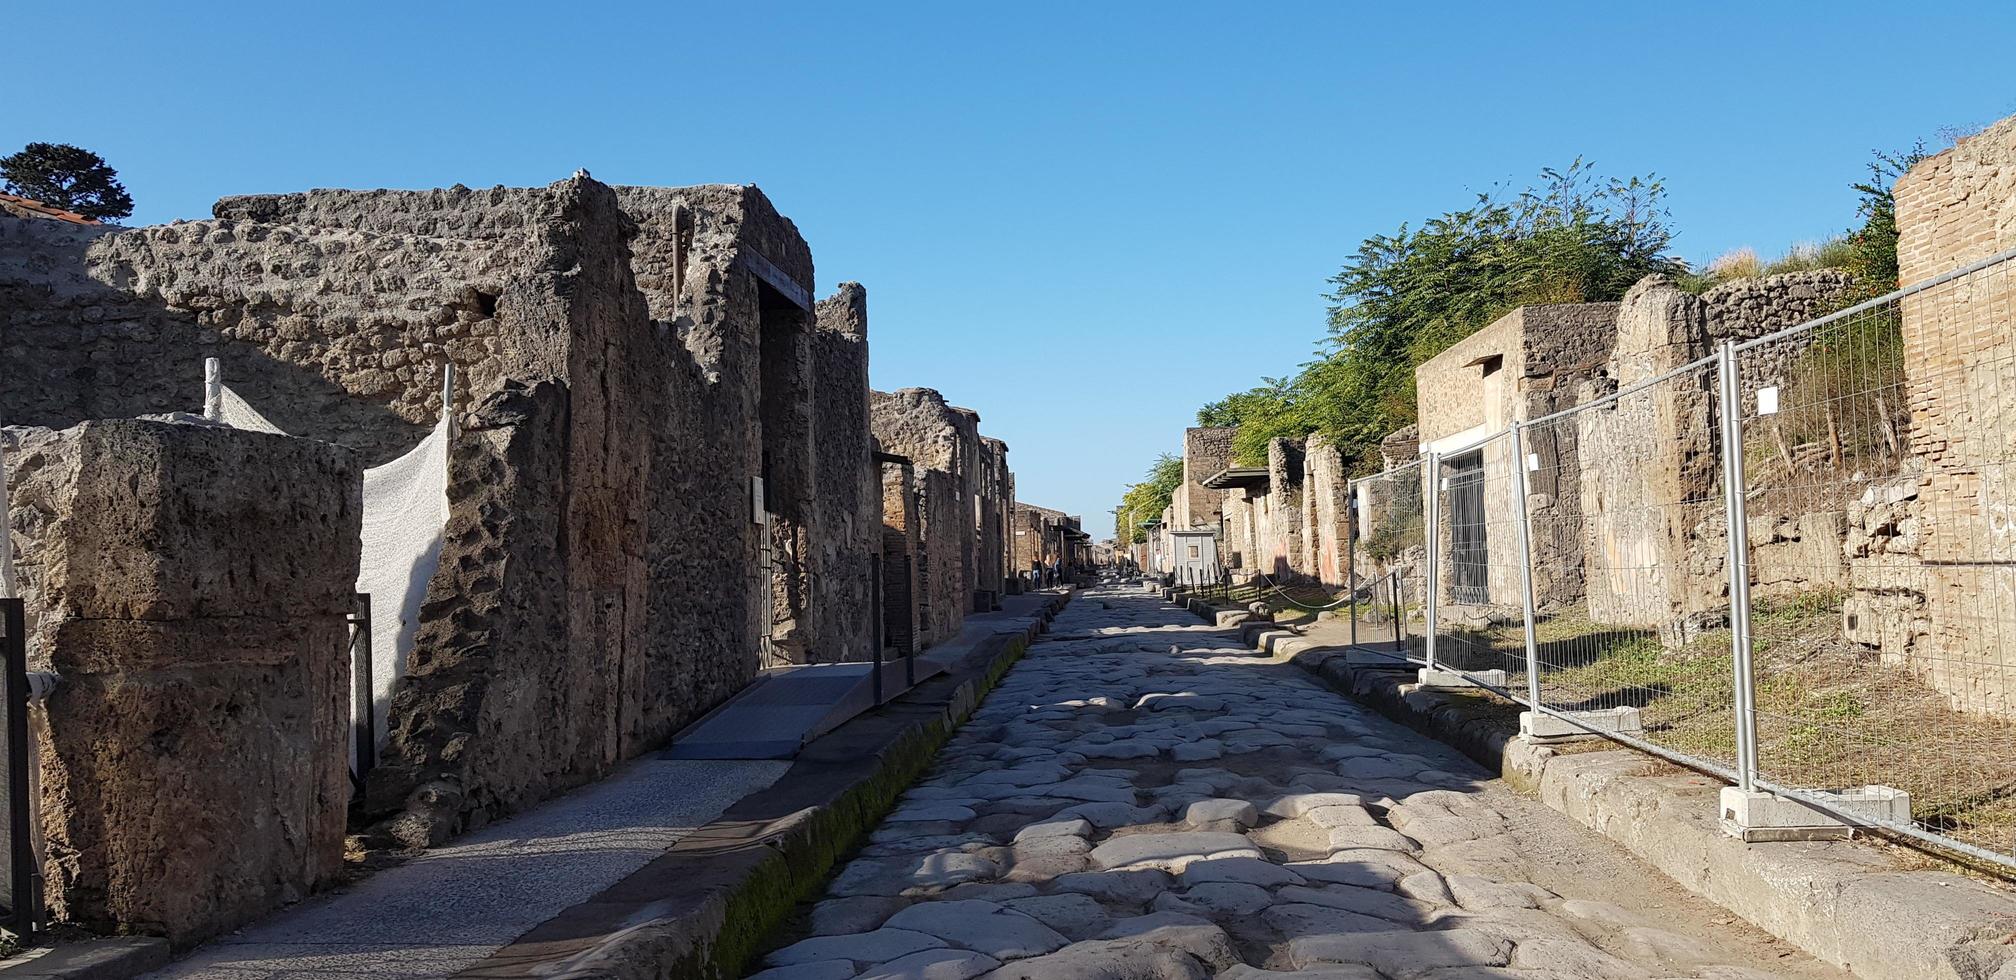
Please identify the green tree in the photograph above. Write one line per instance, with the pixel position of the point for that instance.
(1872, 257)
(1145, 501)
(67, 177)
(1405, 297)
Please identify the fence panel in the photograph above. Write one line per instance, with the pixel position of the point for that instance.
(1880, 454)
(1387, 559)
(1478, 579)
(1628, 513)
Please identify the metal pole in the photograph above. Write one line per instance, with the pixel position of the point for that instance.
(875, 613)
(1393, 592)
(213, 390)
(23, 887)
(1433, 550)
(363, 688)
(1733, 486)
(1525, 564)
(6, 524)
(448, 396)
(1351, 556)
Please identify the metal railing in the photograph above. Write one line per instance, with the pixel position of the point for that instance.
(1789, 562)
(363, 703)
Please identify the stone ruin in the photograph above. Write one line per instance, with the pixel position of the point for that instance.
(667, 475)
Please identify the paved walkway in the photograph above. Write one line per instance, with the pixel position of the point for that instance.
(1142, 798)
(449, 909)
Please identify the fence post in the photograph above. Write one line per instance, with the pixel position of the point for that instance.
(363, 689)
(1351, 554)
(1738, 525)
(1525, 564)
(1432, 547)
(24, 886)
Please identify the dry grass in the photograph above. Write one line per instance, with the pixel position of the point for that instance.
(1830, 714)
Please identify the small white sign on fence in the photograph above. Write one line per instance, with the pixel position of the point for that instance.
(1767, 400)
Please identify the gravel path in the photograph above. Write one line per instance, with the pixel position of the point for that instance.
(1143, 798)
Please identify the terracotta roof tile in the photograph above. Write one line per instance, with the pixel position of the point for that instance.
(21, 207)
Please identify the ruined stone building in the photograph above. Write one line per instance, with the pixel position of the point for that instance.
(1944, 517)
(665, 477)
(1043, 537)
(962, 495)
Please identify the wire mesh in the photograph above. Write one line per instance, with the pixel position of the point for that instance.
(1628, 513)
(1388, 556)
(1478, 576)
(1880, 454)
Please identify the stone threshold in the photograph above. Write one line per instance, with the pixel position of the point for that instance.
(1845, 902)
(706, 907)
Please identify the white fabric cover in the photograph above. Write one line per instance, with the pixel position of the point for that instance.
(405, 513)
(238, 413)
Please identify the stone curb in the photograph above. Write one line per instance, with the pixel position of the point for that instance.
(114, 958)
(1841, 901)
(705, 908)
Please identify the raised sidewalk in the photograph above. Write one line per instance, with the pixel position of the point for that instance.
(670, 861)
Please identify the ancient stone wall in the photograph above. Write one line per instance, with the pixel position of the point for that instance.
(1650, 468)
(1278, 515)
(995, 500)
(1205, 452)
(1934, 563)
(1326, 508)
(190, 584)
(901, 542)
(1524, 365)
(943, 442)
(633, 361)
(846, 508)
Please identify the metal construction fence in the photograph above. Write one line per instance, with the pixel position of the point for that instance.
(1790, 562)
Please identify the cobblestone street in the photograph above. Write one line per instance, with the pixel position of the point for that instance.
(1141, 797)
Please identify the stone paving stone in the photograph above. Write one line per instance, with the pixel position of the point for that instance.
(1171, 852)
(1075, 916)
(878, 946)
(1053, 841)
(825, 970)
(984, 927)
(1205, 812)
(934, 964)
(1402, 953)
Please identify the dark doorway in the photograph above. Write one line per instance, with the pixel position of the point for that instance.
(1469, 549)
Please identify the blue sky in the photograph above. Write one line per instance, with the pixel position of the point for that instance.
(1082, 220)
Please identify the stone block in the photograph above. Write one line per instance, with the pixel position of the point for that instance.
(1434, 678)
(1552, 727)
(191, 584)
(1756, 816)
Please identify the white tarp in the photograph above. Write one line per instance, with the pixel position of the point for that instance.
(405, 513)
(237, 413)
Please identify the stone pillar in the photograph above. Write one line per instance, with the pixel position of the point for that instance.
(899, 556)
(190, 585)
